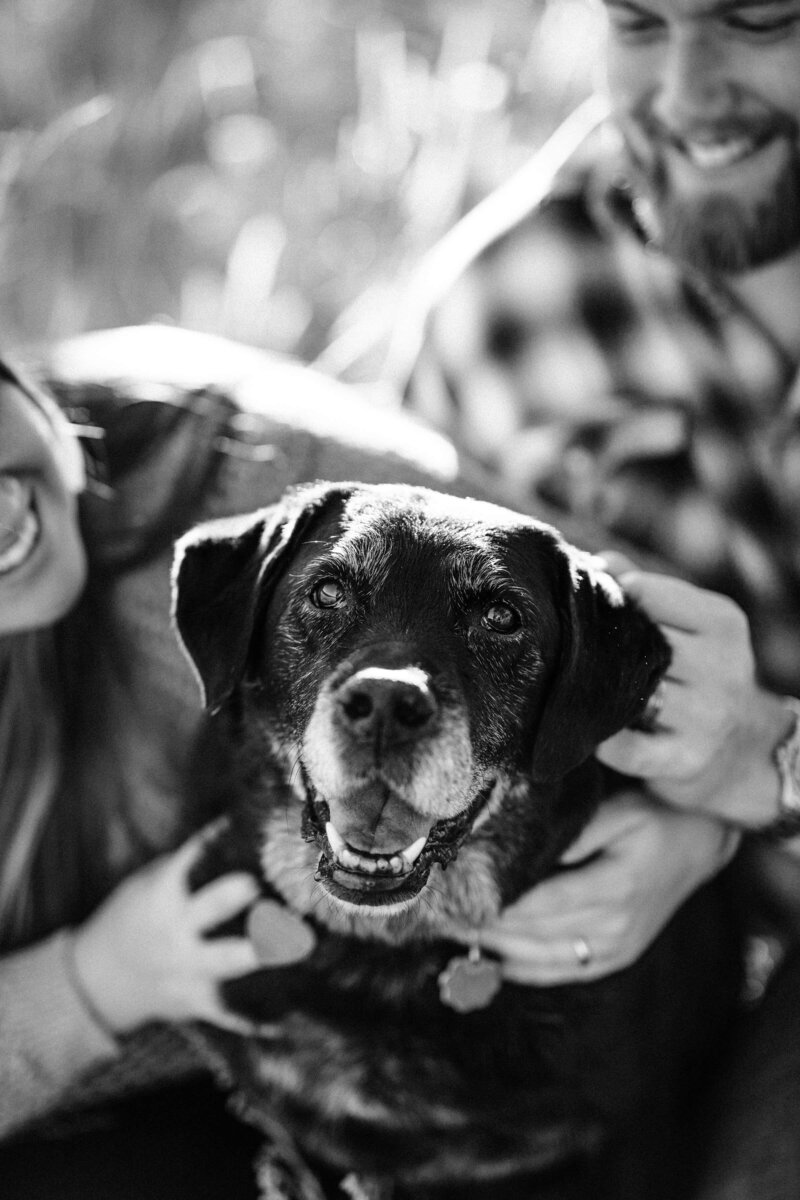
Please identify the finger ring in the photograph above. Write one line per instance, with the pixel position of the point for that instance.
(582, 950)
(648, 721)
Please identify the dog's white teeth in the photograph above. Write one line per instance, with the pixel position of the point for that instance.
(391, 864)
(342, 852)
(412, 852)
(335, 839)
(357, 862)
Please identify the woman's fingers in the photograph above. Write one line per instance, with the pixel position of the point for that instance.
(221, 900)
(191, 851)
(209, 1008)
(225, 958)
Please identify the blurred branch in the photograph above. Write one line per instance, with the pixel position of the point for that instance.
(270, 169)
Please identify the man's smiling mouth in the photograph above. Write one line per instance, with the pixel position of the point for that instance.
(715, 156)
(711, 147)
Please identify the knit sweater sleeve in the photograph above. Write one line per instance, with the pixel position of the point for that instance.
(48, 1038)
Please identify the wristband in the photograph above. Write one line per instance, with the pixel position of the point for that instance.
(78, 987)
(787, 760)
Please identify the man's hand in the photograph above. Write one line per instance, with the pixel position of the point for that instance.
(644, 861)
(713, 747)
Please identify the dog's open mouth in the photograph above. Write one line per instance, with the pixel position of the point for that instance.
(373, 879)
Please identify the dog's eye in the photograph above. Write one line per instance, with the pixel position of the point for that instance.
(501, 618)
(328, 593)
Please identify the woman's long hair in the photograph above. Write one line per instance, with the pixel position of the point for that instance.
(32, 737)
(30, 773)
(54, 829)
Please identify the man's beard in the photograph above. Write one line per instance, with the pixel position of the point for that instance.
(721, 233)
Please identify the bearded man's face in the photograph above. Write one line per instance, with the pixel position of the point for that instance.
(707, 98)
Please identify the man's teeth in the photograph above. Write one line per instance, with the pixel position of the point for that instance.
(399, 863)
(711, 156)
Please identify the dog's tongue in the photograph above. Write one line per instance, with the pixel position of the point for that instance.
(368, 822)
(279, 938)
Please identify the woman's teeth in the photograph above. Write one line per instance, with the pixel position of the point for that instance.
(19, 524)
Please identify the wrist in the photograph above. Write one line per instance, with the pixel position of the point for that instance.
(741, 784)
(100, 984)
(83, 992)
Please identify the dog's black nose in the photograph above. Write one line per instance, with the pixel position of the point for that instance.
(391, 705)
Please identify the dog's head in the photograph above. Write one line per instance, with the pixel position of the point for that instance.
(408, 657)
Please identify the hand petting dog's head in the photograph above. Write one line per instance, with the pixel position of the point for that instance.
(408, 657)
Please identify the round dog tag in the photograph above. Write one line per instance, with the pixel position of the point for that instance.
(469, 981)
(278, 936)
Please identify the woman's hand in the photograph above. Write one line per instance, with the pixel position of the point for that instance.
(142, 955)
(713, 746)
(644, 860)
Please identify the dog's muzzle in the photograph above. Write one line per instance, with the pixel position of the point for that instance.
(361, 878)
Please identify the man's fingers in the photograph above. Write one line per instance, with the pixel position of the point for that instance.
(534, 944)
(567, 968)
(680, 605)
(647, 755)
(668, 600)
(610, 821)
(561, 958)
(568, 892)
(222, 899)
(617, 563)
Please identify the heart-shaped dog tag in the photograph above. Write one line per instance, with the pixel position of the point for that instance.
(278, 936)
(469, 981)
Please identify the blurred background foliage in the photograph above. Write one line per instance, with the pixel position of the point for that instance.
(266, 169)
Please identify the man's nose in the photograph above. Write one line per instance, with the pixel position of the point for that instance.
(693, 85)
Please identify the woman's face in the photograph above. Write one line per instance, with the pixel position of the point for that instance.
(42, 561)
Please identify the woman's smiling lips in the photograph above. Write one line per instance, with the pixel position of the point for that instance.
(19, 524)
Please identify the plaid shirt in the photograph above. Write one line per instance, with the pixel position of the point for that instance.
(584, 367)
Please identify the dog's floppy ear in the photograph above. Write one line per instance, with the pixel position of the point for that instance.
(223, 573)
(612, 657)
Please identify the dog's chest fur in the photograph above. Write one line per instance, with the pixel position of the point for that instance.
(359, 1057)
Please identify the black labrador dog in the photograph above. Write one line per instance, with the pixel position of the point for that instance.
(404, 693)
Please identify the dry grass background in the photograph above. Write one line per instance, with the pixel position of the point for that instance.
(267, 169)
